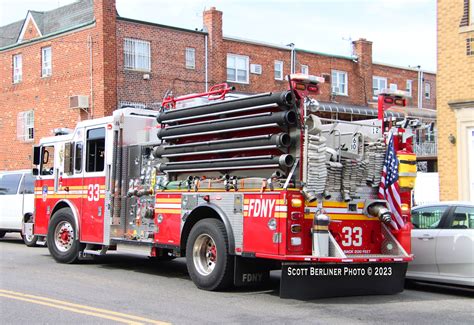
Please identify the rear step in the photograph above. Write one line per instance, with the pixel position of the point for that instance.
(41, 242)
(96, 252)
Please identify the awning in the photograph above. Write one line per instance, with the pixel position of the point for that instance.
(373, 112)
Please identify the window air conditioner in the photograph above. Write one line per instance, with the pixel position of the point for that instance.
(256, 68)
(79, 101)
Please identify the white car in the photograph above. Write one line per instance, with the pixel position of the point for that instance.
(17, 197)
(443, 243)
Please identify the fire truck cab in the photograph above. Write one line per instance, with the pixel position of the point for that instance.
(239, 186)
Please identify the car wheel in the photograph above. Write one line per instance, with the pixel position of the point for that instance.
(2, 234)
(62, 240)
(209, 264)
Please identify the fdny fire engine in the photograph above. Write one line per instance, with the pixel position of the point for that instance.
(239, 185)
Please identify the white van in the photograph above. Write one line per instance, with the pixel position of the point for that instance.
(17, 195)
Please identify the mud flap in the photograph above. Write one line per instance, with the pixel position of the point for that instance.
(313, 281)
(251, 271)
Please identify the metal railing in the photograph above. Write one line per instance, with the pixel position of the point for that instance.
(426, 149)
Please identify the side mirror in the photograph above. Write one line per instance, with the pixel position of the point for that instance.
(35, 171)
(36, 155)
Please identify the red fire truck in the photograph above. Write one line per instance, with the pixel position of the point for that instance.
(239, 185)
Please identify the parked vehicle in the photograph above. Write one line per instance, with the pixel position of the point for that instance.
(443, 243)
(17, 203)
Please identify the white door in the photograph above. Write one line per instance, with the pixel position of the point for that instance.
(27, 189)
(11, 203)
(423, 239)
(470, 162)
(455, 245)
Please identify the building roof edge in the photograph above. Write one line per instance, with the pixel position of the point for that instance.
(131, 20)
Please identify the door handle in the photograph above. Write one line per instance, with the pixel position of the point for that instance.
(426, 237)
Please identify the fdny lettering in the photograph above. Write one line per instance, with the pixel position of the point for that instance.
(264, 208)
(252, 277)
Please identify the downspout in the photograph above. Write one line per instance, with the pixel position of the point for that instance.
(205, 63)
(292, 59)
(89, 42)
(421, 89)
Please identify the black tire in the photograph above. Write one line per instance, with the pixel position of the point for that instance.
(62, 240)
(29, 241)
(2, 234)
(209, 263)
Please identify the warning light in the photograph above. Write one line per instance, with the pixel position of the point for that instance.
(388, 100)
(400, 101)
(313, 89)
(300, 86)
(296, 203)
(206, 198)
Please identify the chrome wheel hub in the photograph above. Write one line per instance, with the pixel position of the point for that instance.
(63, 236)
(204, 254)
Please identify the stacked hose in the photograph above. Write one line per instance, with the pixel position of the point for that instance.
(374, 157)
(228, 135)
(317, 171)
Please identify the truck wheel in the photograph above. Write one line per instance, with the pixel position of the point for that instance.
(62, 242)
(209, 264)
(2, 234)
(30, 241)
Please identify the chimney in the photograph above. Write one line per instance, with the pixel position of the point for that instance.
(105, 57)
(363, 51)
(212, 20)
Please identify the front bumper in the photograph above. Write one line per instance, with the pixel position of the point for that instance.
(27, 229)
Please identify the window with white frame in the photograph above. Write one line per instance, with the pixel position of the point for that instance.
(339, 82)
(46, 68)
(137, 54)
(427, 90)
(393, 87)
(378, 83)
(279, 70)
(17, 68)
(190, 58)
(304, 69)
(409, 87)
(238, 68)
(25, 126)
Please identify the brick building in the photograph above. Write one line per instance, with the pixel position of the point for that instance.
(456, 99)
(86, 53)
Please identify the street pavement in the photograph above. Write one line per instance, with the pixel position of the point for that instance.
(34, 289)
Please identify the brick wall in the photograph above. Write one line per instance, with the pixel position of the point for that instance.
(258, 54)
(212, 21)
(455, 82)
(111, 82)
(168, 69)
(323, 65)
(49, 96)
(399, 76)
(106, 64)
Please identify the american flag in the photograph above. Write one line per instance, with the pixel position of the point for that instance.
(389, 189)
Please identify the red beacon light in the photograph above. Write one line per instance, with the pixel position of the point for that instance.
(388, 98)
(305, 83)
